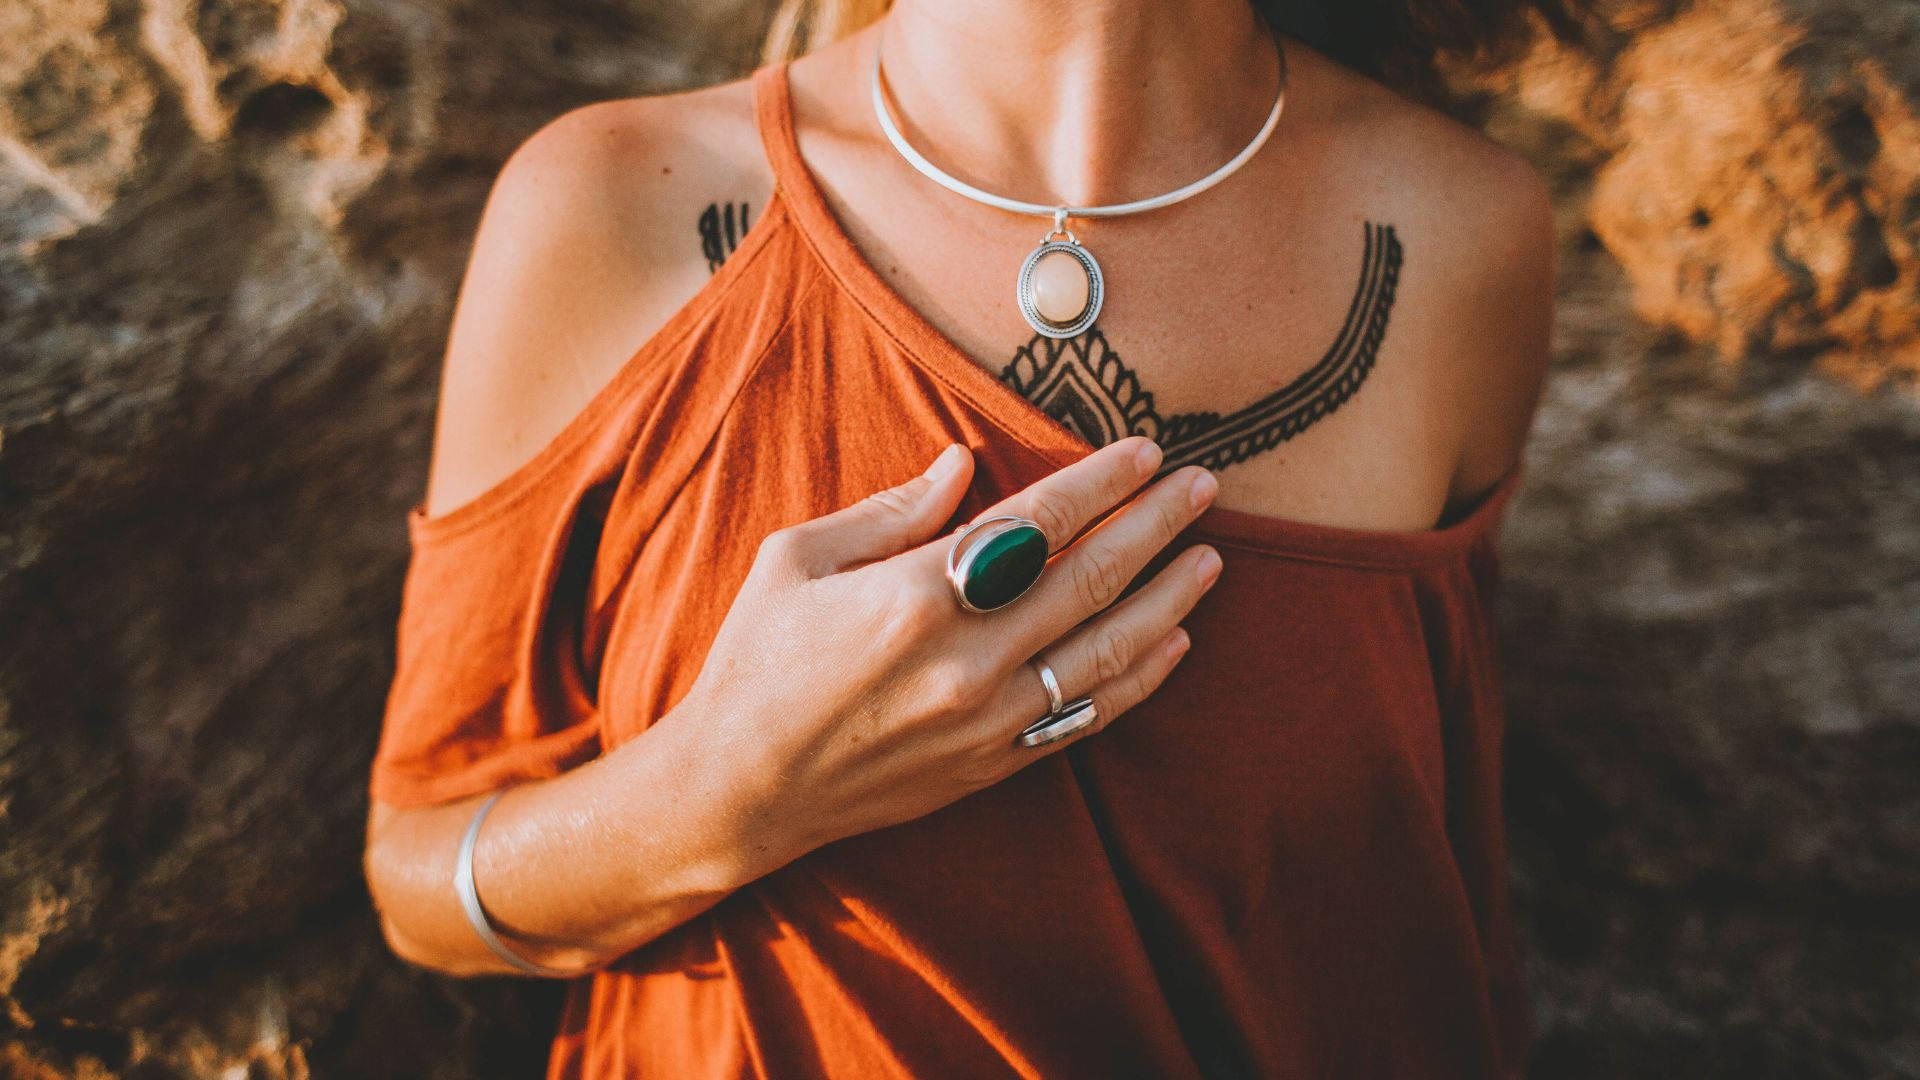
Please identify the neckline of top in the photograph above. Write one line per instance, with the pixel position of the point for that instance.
(930, 348)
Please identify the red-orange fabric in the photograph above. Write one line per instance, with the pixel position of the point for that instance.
(1288, 862)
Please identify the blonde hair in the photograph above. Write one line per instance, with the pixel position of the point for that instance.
(801, 26)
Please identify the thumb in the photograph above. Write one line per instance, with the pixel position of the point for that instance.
(891, 520)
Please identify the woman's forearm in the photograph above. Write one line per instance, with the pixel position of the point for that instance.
(580, 869)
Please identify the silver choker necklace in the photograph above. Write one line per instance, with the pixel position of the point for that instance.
(1060, 287)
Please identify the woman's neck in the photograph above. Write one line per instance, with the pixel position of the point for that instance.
(1077, 101)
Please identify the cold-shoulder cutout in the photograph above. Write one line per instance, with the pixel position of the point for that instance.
(606, 406)
(616, 382)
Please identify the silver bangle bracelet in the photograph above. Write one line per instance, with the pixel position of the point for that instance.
(477, 915)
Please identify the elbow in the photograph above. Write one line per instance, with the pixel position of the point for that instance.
(407, 950)
(388, 897)
(398, 943)
(401, 946)
(413, 952)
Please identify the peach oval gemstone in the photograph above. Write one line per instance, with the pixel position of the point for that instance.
(1060, 287)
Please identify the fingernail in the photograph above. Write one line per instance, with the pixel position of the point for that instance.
(944, 465)
(1147, 456)
(1207, 569)
(1178, 641)
(1203, 489)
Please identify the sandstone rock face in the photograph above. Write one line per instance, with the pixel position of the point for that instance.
(1758, 174)
(1712, 608)
(230, 231)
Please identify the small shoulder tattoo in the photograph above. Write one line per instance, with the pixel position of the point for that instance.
(1082, 383)
(721, 229)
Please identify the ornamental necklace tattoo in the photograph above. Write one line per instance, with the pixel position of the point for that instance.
(1082, 384)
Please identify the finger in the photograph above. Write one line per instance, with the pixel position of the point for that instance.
(1114, 697)
(1107, 646)
(886, 522)
(1090, 575)
(1064, 501)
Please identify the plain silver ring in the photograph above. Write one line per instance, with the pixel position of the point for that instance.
(1054, 701)
(1075, 715)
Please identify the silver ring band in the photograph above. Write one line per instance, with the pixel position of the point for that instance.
(1054, 700)
(1076, 714)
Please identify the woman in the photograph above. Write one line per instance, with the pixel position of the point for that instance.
(681, 633)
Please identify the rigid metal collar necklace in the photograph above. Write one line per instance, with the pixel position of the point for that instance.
(1060, 286)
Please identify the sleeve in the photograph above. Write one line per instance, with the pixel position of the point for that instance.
(489, 685)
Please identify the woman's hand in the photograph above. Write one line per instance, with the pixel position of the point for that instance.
(857, 693)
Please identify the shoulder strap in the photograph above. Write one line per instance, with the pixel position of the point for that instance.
(773, 114)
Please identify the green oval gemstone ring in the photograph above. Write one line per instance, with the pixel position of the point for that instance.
(993, 561)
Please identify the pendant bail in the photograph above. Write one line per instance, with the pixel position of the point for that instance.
(1060, 227)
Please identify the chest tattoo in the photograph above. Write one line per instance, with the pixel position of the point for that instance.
(1082, 383)
(720, 232)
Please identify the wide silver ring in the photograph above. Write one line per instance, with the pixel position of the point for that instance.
(1054, 700)
(994, 561)
(1071, 717)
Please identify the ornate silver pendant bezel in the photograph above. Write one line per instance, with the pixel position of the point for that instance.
(1096, 289)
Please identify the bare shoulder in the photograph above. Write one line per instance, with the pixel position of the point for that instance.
(590, 239)
(1478, 278)
(1493, 232)
(1501, 315)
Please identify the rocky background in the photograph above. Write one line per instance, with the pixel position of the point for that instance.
(230, 231)
(1712, 600)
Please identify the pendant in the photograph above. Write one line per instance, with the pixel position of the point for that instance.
(1060, 286)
